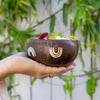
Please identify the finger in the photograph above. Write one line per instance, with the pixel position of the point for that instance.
(68, 68)
(73, 63)
(55, 70)
(52, 74)
(49, 75)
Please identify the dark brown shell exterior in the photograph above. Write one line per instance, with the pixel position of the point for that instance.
(53, 53)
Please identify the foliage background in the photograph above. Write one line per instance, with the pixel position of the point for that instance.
(79, 17)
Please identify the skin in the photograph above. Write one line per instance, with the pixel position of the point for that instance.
(21, 64)
(3, 91)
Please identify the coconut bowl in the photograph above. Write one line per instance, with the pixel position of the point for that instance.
(54, 53)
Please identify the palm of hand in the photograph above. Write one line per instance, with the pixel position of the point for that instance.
(30, 67)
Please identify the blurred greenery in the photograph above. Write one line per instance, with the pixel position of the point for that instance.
(86, 21)
(52, 23)
(65, 14)
(67, 86)
(14, 39)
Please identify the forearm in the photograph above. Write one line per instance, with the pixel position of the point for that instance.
(6, 67)
(3, 91)
(20, 63)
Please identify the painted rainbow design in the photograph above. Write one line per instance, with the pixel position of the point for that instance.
(55, 54)
(31, 52)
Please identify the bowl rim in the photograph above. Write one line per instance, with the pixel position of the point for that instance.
(29, 40)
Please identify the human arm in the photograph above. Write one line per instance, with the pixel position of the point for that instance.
(20, 63)
(3, 91)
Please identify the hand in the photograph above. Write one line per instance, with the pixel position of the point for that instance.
(20, 63)
(30, 67)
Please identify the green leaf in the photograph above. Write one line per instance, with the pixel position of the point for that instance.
(16, 96)
(65, 14)
(90, 7)
(19, 49)
(88, 72)
(10, 22)
(34, 14)
(11, 78)
(59, 1)
(25, 3)
(33, 1)
(43, 1)
(80, 55)
(83, 12)
(60, 34)
(9, 87)
(65, 88)
(66, 78)
(91, 86)
(76, 21)
(97, 5)
(33, 80)
(74, 83)
(52, 23)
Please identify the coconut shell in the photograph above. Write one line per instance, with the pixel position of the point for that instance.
(54, 53)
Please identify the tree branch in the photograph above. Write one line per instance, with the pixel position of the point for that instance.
(41, 22)
(82, 75)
